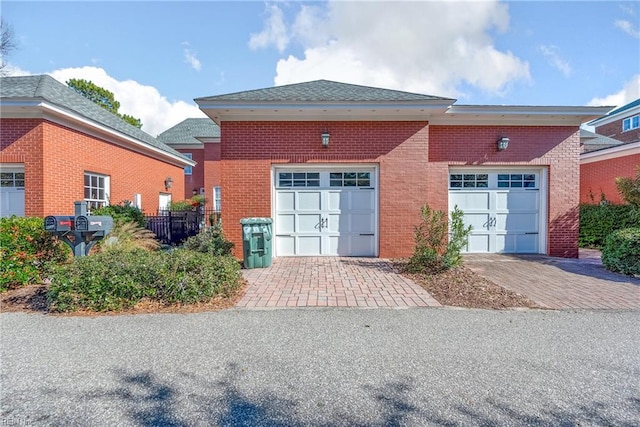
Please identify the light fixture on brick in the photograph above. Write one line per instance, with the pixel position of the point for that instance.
(168, 183)
(325, 139)
(503, 143)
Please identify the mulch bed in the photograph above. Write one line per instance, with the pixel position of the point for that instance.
(461, 287)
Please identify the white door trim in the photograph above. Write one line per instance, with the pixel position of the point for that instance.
(325, 167)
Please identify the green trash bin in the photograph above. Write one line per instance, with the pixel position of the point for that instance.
(256, 242)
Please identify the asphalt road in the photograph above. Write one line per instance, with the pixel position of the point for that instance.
(323, 367)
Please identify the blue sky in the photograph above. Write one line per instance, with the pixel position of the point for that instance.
(157, 56)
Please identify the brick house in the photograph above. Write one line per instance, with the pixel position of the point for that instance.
(600, 168)
(198, 139)
(57, 147)
(344, 169)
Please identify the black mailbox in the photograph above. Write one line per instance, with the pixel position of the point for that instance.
(58, 223)
(94, 223)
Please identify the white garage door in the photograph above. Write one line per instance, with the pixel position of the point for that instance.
(11, 191)
(503, 207)
(325, 212)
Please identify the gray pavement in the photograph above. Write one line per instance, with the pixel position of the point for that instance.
(323, 367)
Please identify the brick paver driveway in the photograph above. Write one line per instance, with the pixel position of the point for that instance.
(559, 283)
(332, 281)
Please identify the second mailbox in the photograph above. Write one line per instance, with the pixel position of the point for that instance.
(94, 223)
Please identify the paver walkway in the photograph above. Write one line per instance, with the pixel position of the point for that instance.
(332, 281)
(559, 283)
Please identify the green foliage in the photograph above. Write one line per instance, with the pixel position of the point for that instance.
(438, 247)
(27, 251)
(629, 188)
(187, 205)
(115, 280)
(598, 221)
(102, 97)
(210, 240)
(128, 236)
(621, 252)
(123, 212)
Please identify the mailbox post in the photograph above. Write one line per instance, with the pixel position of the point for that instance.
(81, 231)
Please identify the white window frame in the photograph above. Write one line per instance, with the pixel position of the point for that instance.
(94, 200)
(631, 123)
(188, 170)
(217, 199)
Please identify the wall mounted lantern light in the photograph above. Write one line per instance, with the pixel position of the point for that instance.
(325, 139)
(503, 143)
(168, 183)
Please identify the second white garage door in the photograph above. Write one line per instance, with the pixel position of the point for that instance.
(325, 212)
(503, 207)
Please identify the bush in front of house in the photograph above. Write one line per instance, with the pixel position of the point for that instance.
(438, 241)
(123, 212)
(210, 240)
(599, 221)
(621, 252)
(27, 251)
(116, 280)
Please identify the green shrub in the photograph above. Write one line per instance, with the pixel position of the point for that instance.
(438, 248)
(598, 221)
(127, 236)
(210, 240)
(27, 251)
(629, 188)
(124, 212)
(621, 252)
(115, 280)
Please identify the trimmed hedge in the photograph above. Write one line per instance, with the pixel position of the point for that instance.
(621, 252)
(599, 221)
(115, 280)
(27, 251)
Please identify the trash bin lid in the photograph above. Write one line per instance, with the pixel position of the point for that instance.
(255, 220)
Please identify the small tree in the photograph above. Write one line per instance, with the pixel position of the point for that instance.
(629, 188)
(438, 242)
(7, 44)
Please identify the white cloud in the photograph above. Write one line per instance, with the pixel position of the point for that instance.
(274, 32)
(12, 70)
(191, 58)
(628, 27)
(630, 92)
(427, 47)
(144, 102)
(552, 53)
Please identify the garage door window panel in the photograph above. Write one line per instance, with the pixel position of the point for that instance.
(12, 179)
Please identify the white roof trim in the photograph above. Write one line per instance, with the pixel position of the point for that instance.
(615, 117)
(52, 112)
(610, 153)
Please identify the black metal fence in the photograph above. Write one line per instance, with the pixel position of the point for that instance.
(174, 227)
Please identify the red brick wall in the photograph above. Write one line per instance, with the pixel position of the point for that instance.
(554, 147)
(614, 130)
(212, 170)
(597, 178)
(56, 158)
(196, 179)
(413, 160)
(250, 148)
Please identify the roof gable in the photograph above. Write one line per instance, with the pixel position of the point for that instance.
(323, 91)
(47, 88)
(190, 131)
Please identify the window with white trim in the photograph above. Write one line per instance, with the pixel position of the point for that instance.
(350, 179)
(631, 123)
(299, 179)
(96, 190)
(516, 180)
(468, 180)
(188, 170)
(217, 199)
(12, 179)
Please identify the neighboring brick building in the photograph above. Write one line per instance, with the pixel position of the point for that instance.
(618, 154)
(57, 147)
(198, 139)
(344, 169)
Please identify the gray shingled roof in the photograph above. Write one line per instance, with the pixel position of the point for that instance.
(323, 91)
(592, 141)
(49, 89)
(189, 130)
